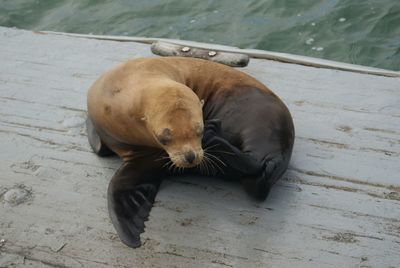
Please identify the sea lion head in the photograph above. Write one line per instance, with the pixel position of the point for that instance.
(177, 126)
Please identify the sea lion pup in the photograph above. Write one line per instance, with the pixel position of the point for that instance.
(152, 111)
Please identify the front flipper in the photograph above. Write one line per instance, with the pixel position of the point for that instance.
(131, 195)
(257, 176)
(226, 152)
(95, 141)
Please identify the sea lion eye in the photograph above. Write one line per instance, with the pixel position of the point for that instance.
(165, 136)
(163, 141)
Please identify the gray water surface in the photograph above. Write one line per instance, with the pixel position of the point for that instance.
(353, 31)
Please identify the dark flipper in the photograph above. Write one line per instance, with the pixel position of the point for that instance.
(94, 140)
(131, 195)
(233, 157)
(229, 154)
(257, 176)
(259, 186)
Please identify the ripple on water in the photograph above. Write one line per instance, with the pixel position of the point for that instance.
(270, 25)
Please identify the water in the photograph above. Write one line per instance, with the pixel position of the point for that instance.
(360, 32)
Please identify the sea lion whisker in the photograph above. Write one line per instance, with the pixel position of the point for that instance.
(223, 152)
(165, 157)
(216, 158)
(215, 163)
(168, 163)
(162, 158)
(205, 159)
(211, 165)
(217, 166)
(175, 169)
(202, 166)
(170, 168)
(210, 147)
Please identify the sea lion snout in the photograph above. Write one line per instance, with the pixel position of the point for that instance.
(187, 158)
(190, 157)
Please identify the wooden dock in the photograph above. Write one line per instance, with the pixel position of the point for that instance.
(338, 205)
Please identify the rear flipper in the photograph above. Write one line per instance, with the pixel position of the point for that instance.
(131, 195)
(94, 140)
(259, 186)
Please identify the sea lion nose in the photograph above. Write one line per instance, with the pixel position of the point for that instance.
(190, 157)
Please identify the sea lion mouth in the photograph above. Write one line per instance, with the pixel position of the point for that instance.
(188, 159)
(180, 165)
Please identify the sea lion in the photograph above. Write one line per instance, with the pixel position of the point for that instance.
(165, 116)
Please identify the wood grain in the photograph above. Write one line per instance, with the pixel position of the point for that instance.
(337, 206)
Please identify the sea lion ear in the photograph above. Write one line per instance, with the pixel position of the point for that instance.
(202, 102)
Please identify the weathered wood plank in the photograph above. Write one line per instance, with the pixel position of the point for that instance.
(337, 206)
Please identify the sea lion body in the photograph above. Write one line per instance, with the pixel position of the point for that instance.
(249, 136)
